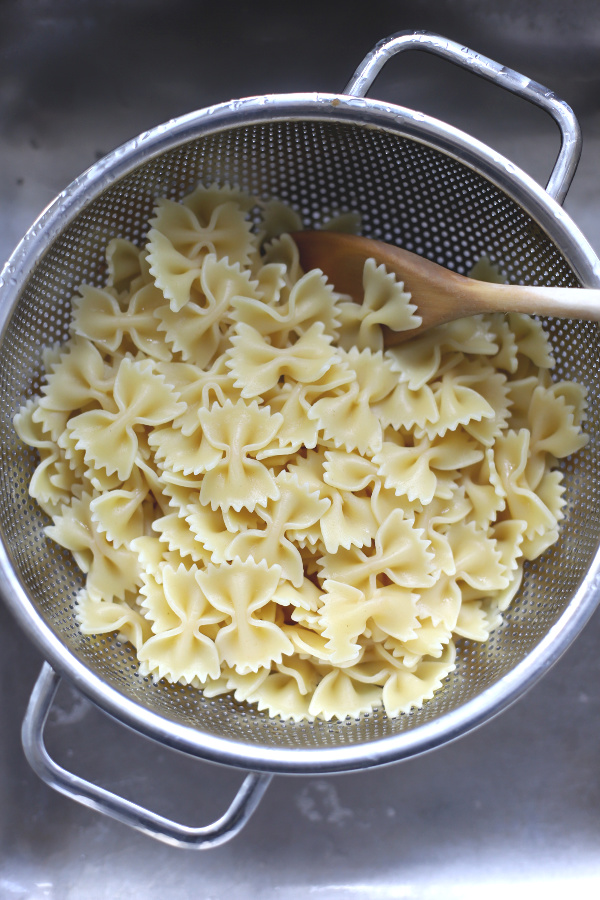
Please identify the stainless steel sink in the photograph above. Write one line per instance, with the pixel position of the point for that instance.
(513, 807)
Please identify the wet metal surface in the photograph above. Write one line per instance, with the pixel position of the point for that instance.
(513, 808)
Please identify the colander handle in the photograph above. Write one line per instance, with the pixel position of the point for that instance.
(138, 817)
(570, 148)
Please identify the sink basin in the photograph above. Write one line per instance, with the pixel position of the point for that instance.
(512, 807)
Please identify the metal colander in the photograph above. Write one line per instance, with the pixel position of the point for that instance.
(417, 183)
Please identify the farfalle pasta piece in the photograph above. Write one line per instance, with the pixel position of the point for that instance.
(120, 513)
(52, 481)
(441, 602)
(283, 251)
(431, 640)
(483, 488)
(346, 610)
(493, 387)
(242, 590)
(78, 378)
(485, 270)
(177, 491)
(270, 279)
(203, 200)
(278, 218)
(178, 244)
(384, 501)
(302, 602)
(336, 379)
(385, 305)
(52, 422)
(477, 558)
(97, 615)
(507, 357)
(411, 471)
(306, 638)
(287, 689)
(51, 354)
(198, 388)
(150, 553)
(420, 359)
(476, 620)
(309, 467)
(406, 470)
(349, 520)
(239, 519)
(98, 316)
(338, 695)
(370, 667)
(348, 471)
(109, 438)
(195, 330)
(406, 689)
(531, 339)
(181, 616)
(209, 529)
(575, 397)
(110, 571)
(307, 619)
(552, 424)
(52, 484)
(511, 454)
(550, 491)
(243, 685)
(400, 553)
(76, 461)
(520, 392)
(501, 600)
(257, 365)
(436, 519)
(175, 533)
(311, 300)
(297, 431)
(406, 407)
(177, 452)
(296, 508)
(459, 402)
(126, 268)
(509, 535)
(346, 417)
(236, 430)
(346, 222)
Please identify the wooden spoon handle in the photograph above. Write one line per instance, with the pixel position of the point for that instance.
(562, 302)
(459, 296)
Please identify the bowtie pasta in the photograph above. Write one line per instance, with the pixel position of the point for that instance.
(265, 501)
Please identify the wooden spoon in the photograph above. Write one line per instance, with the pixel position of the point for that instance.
(439, 294)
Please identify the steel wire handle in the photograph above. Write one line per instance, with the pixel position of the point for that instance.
(150, 823)
(570, 132)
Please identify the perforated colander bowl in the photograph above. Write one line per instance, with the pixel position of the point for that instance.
(416, 182)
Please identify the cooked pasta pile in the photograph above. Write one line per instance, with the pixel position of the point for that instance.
(265, 501)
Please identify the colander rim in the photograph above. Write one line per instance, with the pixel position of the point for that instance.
(335, 108)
